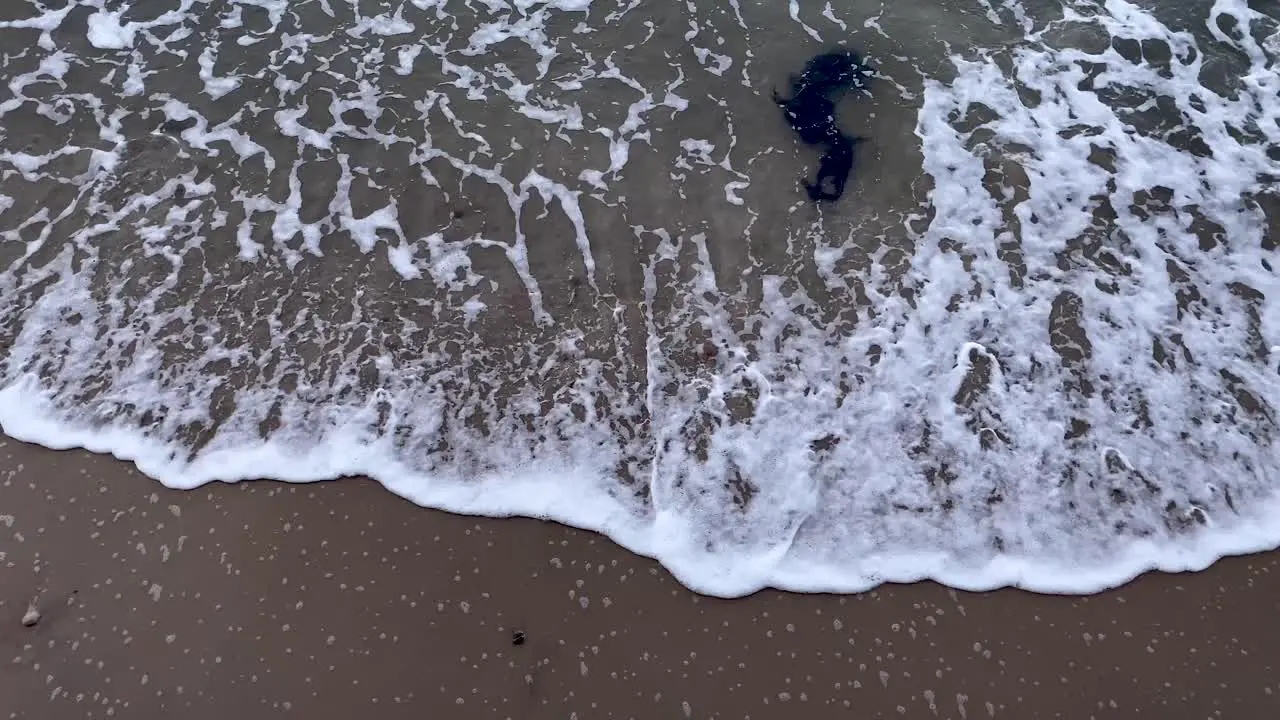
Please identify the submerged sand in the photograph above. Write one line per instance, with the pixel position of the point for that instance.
(338, 599)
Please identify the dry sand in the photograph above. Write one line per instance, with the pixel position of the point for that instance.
(326, 601)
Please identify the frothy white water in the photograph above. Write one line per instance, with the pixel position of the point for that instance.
(1067, 376)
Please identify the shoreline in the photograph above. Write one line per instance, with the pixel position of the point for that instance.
(324, 599)
(700, 574)
(703, 574)
(572, 240)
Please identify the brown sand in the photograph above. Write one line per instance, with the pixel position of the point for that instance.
(339, 599)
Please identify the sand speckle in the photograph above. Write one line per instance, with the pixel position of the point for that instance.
(32, 616)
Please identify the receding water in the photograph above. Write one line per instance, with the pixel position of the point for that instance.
(556, 259)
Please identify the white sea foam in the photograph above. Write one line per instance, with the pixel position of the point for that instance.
(107, 32)
(1074, 381)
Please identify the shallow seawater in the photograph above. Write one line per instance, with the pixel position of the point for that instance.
(556, 259)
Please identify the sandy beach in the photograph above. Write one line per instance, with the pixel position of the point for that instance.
(338, 600)
(564, 260)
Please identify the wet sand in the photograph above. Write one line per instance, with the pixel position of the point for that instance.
(330, 600)
(338, 599)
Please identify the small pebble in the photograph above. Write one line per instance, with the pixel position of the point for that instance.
(517, 637)
(32, 617)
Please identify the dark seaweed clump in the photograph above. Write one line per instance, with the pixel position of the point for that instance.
(811, 112)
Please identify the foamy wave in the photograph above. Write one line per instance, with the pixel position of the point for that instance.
(485, 259)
